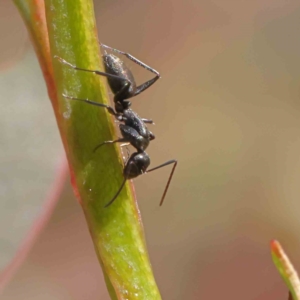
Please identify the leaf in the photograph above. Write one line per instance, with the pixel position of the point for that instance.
(286, 270)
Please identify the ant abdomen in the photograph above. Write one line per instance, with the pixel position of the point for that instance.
(115, 66)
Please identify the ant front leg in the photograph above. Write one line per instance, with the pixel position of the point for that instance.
(146, 84)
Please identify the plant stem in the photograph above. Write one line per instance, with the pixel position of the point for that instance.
(117, 231)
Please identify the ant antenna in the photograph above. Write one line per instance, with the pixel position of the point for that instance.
(117, 194)
(170, 177)
(123, 183)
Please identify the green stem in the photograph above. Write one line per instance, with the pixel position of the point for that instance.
(286, 270)
(117, 231)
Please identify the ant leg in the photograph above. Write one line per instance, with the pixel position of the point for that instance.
(119, 96)
(128, 154)
(148, 121)
(109, 108)
(125, 144)
(91, 71)
(132, 58)
(110, 142)
(145, 85)
(170, 177)
(148, 83)
(117, 194)
(151, 136)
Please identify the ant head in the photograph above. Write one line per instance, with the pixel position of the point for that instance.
(136, 165)
(120, 106)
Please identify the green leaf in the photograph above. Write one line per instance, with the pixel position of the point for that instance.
(116, 231)
(286, 270)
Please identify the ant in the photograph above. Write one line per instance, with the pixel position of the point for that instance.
(134, 130)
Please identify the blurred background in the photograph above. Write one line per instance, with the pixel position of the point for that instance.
(227, 107)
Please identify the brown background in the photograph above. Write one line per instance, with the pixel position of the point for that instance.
(227, 107)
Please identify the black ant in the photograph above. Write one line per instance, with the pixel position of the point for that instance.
(134, 129)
